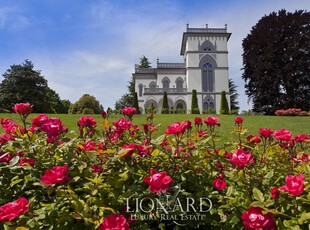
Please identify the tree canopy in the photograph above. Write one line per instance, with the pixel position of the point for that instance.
(22, 83)
(87, 104)
(276, 62)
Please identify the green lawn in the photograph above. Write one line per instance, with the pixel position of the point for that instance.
(296, 125)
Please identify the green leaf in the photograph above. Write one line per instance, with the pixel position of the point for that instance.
(155, 152)
(229, 191)
(270, 174)
(16, 182)
(258, 195)
(303, 217)
(14, 161)
(307, 169)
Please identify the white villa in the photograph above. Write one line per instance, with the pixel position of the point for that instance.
(205, 69)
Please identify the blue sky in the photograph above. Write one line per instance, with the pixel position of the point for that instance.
(91, 46)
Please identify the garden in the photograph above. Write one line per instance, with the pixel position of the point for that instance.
(119, 175)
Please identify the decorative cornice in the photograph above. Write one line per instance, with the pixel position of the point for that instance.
(171, 71)
(144, 76)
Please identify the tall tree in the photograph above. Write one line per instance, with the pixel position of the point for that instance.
(127, 99)
(22, 83)
(194, 106)
(234, 104)
(136, 103)
(165, 108)
(276, 62)
(224, 108)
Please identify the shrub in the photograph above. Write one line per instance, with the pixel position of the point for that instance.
(224, 108)
(111, 173)
(194, 106)
(165, 107)
(288, 112)
(88, 111)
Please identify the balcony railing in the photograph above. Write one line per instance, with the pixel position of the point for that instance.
(162, 90)
(207, 30)
(144, 70)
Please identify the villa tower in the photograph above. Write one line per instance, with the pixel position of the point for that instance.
(205, 69)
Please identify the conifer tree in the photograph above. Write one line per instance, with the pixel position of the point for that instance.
(165, 108)
(136, 103)
(224, 109)
(194, 106)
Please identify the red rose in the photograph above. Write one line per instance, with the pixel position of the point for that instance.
(4, 138)
(23, 108)
(10, 211)
(57, 175)
(96, 169)
(212, 121)
(265, 132)
(53, 128)
(294, 184)
(238, 120)
(240, 158)
(254, 219)
(25, 161)
(176, 128)
(158, 181)
(10, 126)
(275, 193)
(6, 157)
(114, 222)
(149, 128)
(103, 114)
(121, 125)
(129, 111)
(253, 139)
(219, 184)
(88, 146)
(283, 135)
(198, 121)
(38, 121)
(87, 121)
(301, 137)
(130, 149)
(187, 124)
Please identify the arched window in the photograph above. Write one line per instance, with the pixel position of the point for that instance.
(166, 83)
(207, 78)
(179, 83)
(207, 46)
(140, 90)
(208, 103)
(152, 86)
(207, 65)
(206, 106)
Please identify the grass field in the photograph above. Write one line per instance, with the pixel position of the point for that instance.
(297, 125)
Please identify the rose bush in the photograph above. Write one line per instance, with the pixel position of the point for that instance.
(116, 175)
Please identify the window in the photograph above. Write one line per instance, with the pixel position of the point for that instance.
(179, 84)
(206, 106)
(207, 78)
(207, 46)
(140, 90)
(152, 86)
(166, 83)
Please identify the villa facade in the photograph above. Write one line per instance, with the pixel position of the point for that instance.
(205, 69)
